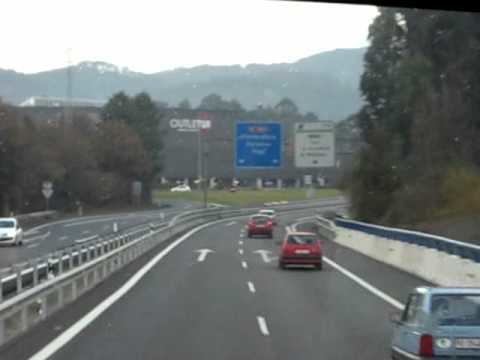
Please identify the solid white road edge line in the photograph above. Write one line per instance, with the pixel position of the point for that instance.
(387, 298)
(57, 343)
(244, 265)
(251, 287)
(262, 324)
(367, 286)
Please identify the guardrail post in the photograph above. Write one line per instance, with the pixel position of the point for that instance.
(60, 263)
(18, 273)
(70, 259)
(35, 272)
(88, 253)
(80, 255)
(1, 299)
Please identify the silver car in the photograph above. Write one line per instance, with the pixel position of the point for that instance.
(438, 323)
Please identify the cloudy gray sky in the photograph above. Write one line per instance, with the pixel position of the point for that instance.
(151, 36)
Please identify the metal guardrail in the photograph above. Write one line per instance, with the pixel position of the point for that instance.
(325, 227)
(34, 290)
(440, 243)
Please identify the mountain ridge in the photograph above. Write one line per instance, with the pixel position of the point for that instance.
(325, 83)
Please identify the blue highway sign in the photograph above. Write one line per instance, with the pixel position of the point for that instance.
(258, 145)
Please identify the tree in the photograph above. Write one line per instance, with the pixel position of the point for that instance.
(185, 104)
(132, 162)
(310, 116)
(286, 106)
(214, 102)
(419, 121)
(143, 117)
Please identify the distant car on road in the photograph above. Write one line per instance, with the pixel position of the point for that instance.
(10, 232)
(301, 248)
(260, 225)
(270, 213)
(438, 323)
(181, 188)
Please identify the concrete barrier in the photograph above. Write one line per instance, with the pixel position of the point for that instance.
(429, 264)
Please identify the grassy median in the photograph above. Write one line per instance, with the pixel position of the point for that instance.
(246, 197)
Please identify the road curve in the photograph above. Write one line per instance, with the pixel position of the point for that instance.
(219, 295)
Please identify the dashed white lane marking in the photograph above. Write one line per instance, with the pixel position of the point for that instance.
(262, 324)
(244, 265)
(35, 238)
(32, 245)
(240, 242)
(86, 232)
(251, 287)
(65, 237)
(240, 251)
(231, 223)
(366, 285)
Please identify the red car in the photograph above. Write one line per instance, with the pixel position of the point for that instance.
(260, 225)
(300, 248)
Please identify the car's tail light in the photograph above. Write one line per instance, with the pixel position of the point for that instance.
(316, 250)
(426, 345)
(269, 223)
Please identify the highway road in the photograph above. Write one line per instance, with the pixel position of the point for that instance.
(214, 294)
(49, 237)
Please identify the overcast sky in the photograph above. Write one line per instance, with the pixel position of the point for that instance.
(150, 36)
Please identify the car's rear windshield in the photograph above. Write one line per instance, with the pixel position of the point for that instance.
(7, 224)
(260, 219)
(456, 309)
(302, 239)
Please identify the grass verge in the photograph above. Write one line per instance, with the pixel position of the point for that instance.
(246, 197)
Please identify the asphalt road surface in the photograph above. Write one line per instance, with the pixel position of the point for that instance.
(46, 238)
(217, 295)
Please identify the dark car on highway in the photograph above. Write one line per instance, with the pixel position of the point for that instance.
(260, 225)
(301, 248)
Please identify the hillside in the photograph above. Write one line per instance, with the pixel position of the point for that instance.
(325, 83)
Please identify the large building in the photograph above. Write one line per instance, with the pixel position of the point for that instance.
(180, 154)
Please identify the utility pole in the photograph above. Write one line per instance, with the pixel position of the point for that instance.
(69, 90)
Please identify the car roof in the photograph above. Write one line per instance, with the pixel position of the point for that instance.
(447, 290)
(8, 218)
(269, 210)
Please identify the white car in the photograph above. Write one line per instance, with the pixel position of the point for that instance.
(10, 232)
(270, 213)
(181, 188)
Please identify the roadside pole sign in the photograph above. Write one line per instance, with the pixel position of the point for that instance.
(258, 145)
(314, 144)
(47, 189)
(307, 180)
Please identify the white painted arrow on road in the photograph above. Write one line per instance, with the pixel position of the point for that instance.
(202, 254)
(264, 254)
